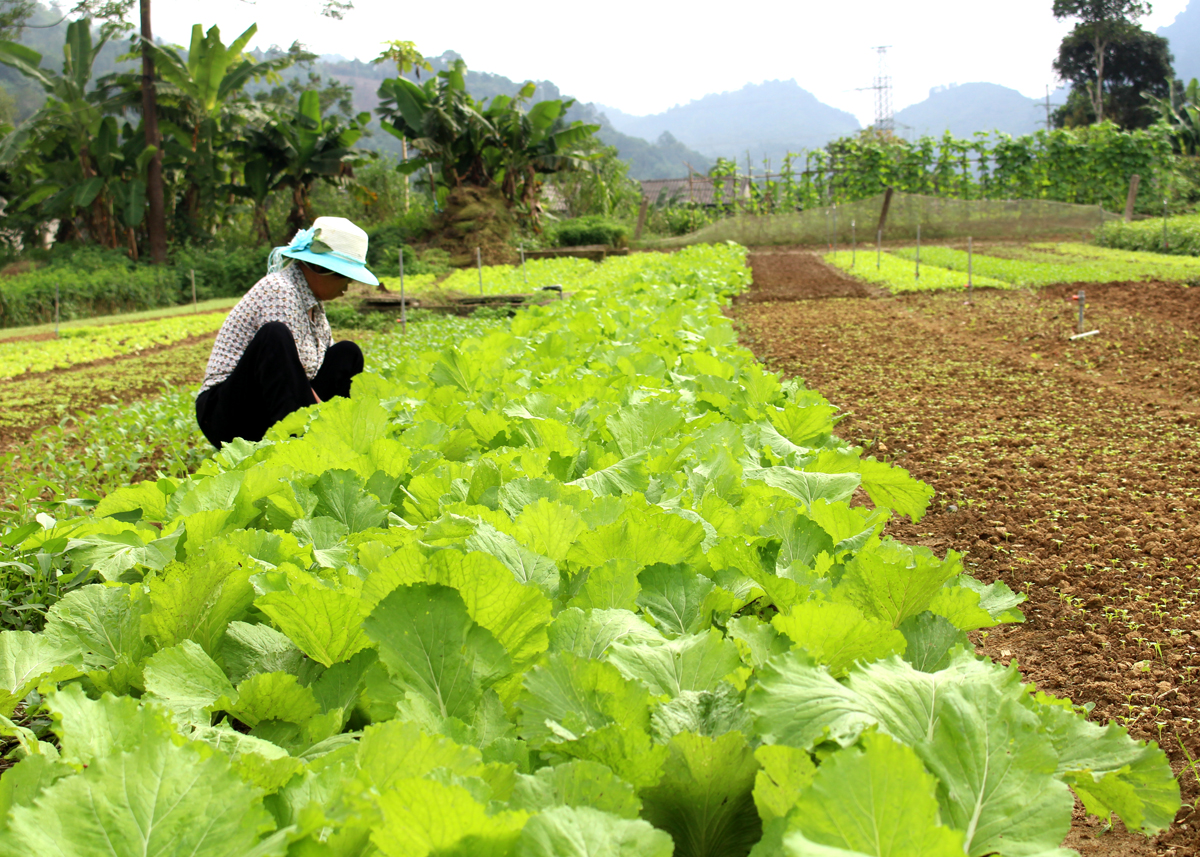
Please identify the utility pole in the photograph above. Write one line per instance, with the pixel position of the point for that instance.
(882, 87)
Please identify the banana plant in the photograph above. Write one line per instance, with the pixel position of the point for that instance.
(203, 92)
(294, 152)
(1180, 112)
(442, 122)
(71, 150)
(533, 142)
(500, 143)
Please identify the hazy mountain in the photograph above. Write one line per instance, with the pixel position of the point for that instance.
(768, 119)
(663, 158)
(1184, 36)
(966, 108)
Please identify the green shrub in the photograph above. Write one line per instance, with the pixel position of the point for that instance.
(221, 272)
(1183, 235)
(381, 251)
(592, 229)
(82, 292)
(344, 315)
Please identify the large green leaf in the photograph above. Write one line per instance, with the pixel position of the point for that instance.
(996, 774)
(106, 622)
(324, 623)
(1111, 772)
(890, 487)
(567, 831)
(158, 798)
(877, 801)
(433, 648)
(28, 659)
(705, 798)
(187, 681)
(696, 662)
(838, 635)
(578, 783)
(424, 817)
(893, 582)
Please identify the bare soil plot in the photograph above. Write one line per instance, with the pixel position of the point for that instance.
(782, 275)
(1069, 470)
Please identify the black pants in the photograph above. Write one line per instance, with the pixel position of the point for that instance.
(269, 383)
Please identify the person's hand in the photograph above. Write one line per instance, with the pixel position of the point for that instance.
(315, 396)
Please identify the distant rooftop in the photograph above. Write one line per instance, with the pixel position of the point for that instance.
(701, 190)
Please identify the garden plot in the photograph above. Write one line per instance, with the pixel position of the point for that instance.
(593, 578)
(1068, 470)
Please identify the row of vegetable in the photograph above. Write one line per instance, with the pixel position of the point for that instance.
(75, 345)
(907, 269)
(586, 582)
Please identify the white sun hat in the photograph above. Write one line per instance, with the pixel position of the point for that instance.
(331, 242)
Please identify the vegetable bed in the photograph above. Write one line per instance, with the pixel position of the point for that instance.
(87, 344)
(898, 275)
(589, 584)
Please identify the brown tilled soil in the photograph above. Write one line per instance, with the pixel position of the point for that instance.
(797, 275)
(1071, 470)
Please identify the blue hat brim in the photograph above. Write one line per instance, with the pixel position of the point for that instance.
(353, 270)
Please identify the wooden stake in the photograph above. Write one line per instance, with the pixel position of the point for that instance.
(1134, 180)
(403, 302)
(883, 212)
(641, 224)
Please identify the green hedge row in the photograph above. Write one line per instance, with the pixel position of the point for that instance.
(1182, 235)
(95, 284)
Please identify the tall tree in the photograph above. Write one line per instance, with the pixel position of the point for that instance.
(1101, 20)
(1138, 67)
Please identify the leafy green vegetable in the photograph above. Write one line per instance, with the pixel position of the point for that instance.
(587, 581)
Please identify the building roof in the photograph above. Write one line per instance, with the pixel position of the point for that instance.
(700, 190)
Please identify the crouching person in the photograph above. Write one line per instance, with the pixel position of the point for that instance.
(275, 353)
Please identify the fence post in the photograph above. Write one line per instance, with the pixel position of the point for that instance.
(883, 212)
(1166, 241)
(403, 302)
(918, 275)
(969, 278)
(1129, 200)
(637, 233)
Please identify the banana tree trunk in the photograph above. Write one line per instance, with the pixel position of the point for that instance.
(156, 220)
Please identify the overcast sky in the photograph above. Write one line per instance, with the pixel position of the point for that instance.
(644, 57)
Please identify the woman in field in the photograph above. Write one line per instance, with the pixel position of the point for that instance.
(275, 353)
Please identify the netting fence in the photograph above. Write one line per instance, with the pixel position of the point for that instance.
(939, 218)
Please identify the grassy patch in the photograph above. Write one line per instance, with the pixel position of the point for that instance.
(899, 275)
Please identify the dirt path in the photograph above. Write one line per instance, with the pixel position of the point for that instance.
(1069, 470)
(798, 275)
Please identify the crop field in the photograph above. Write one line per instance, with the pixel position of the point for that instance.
(587, 580)
(1067, 470)
(89, 344)
(1006, 266)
